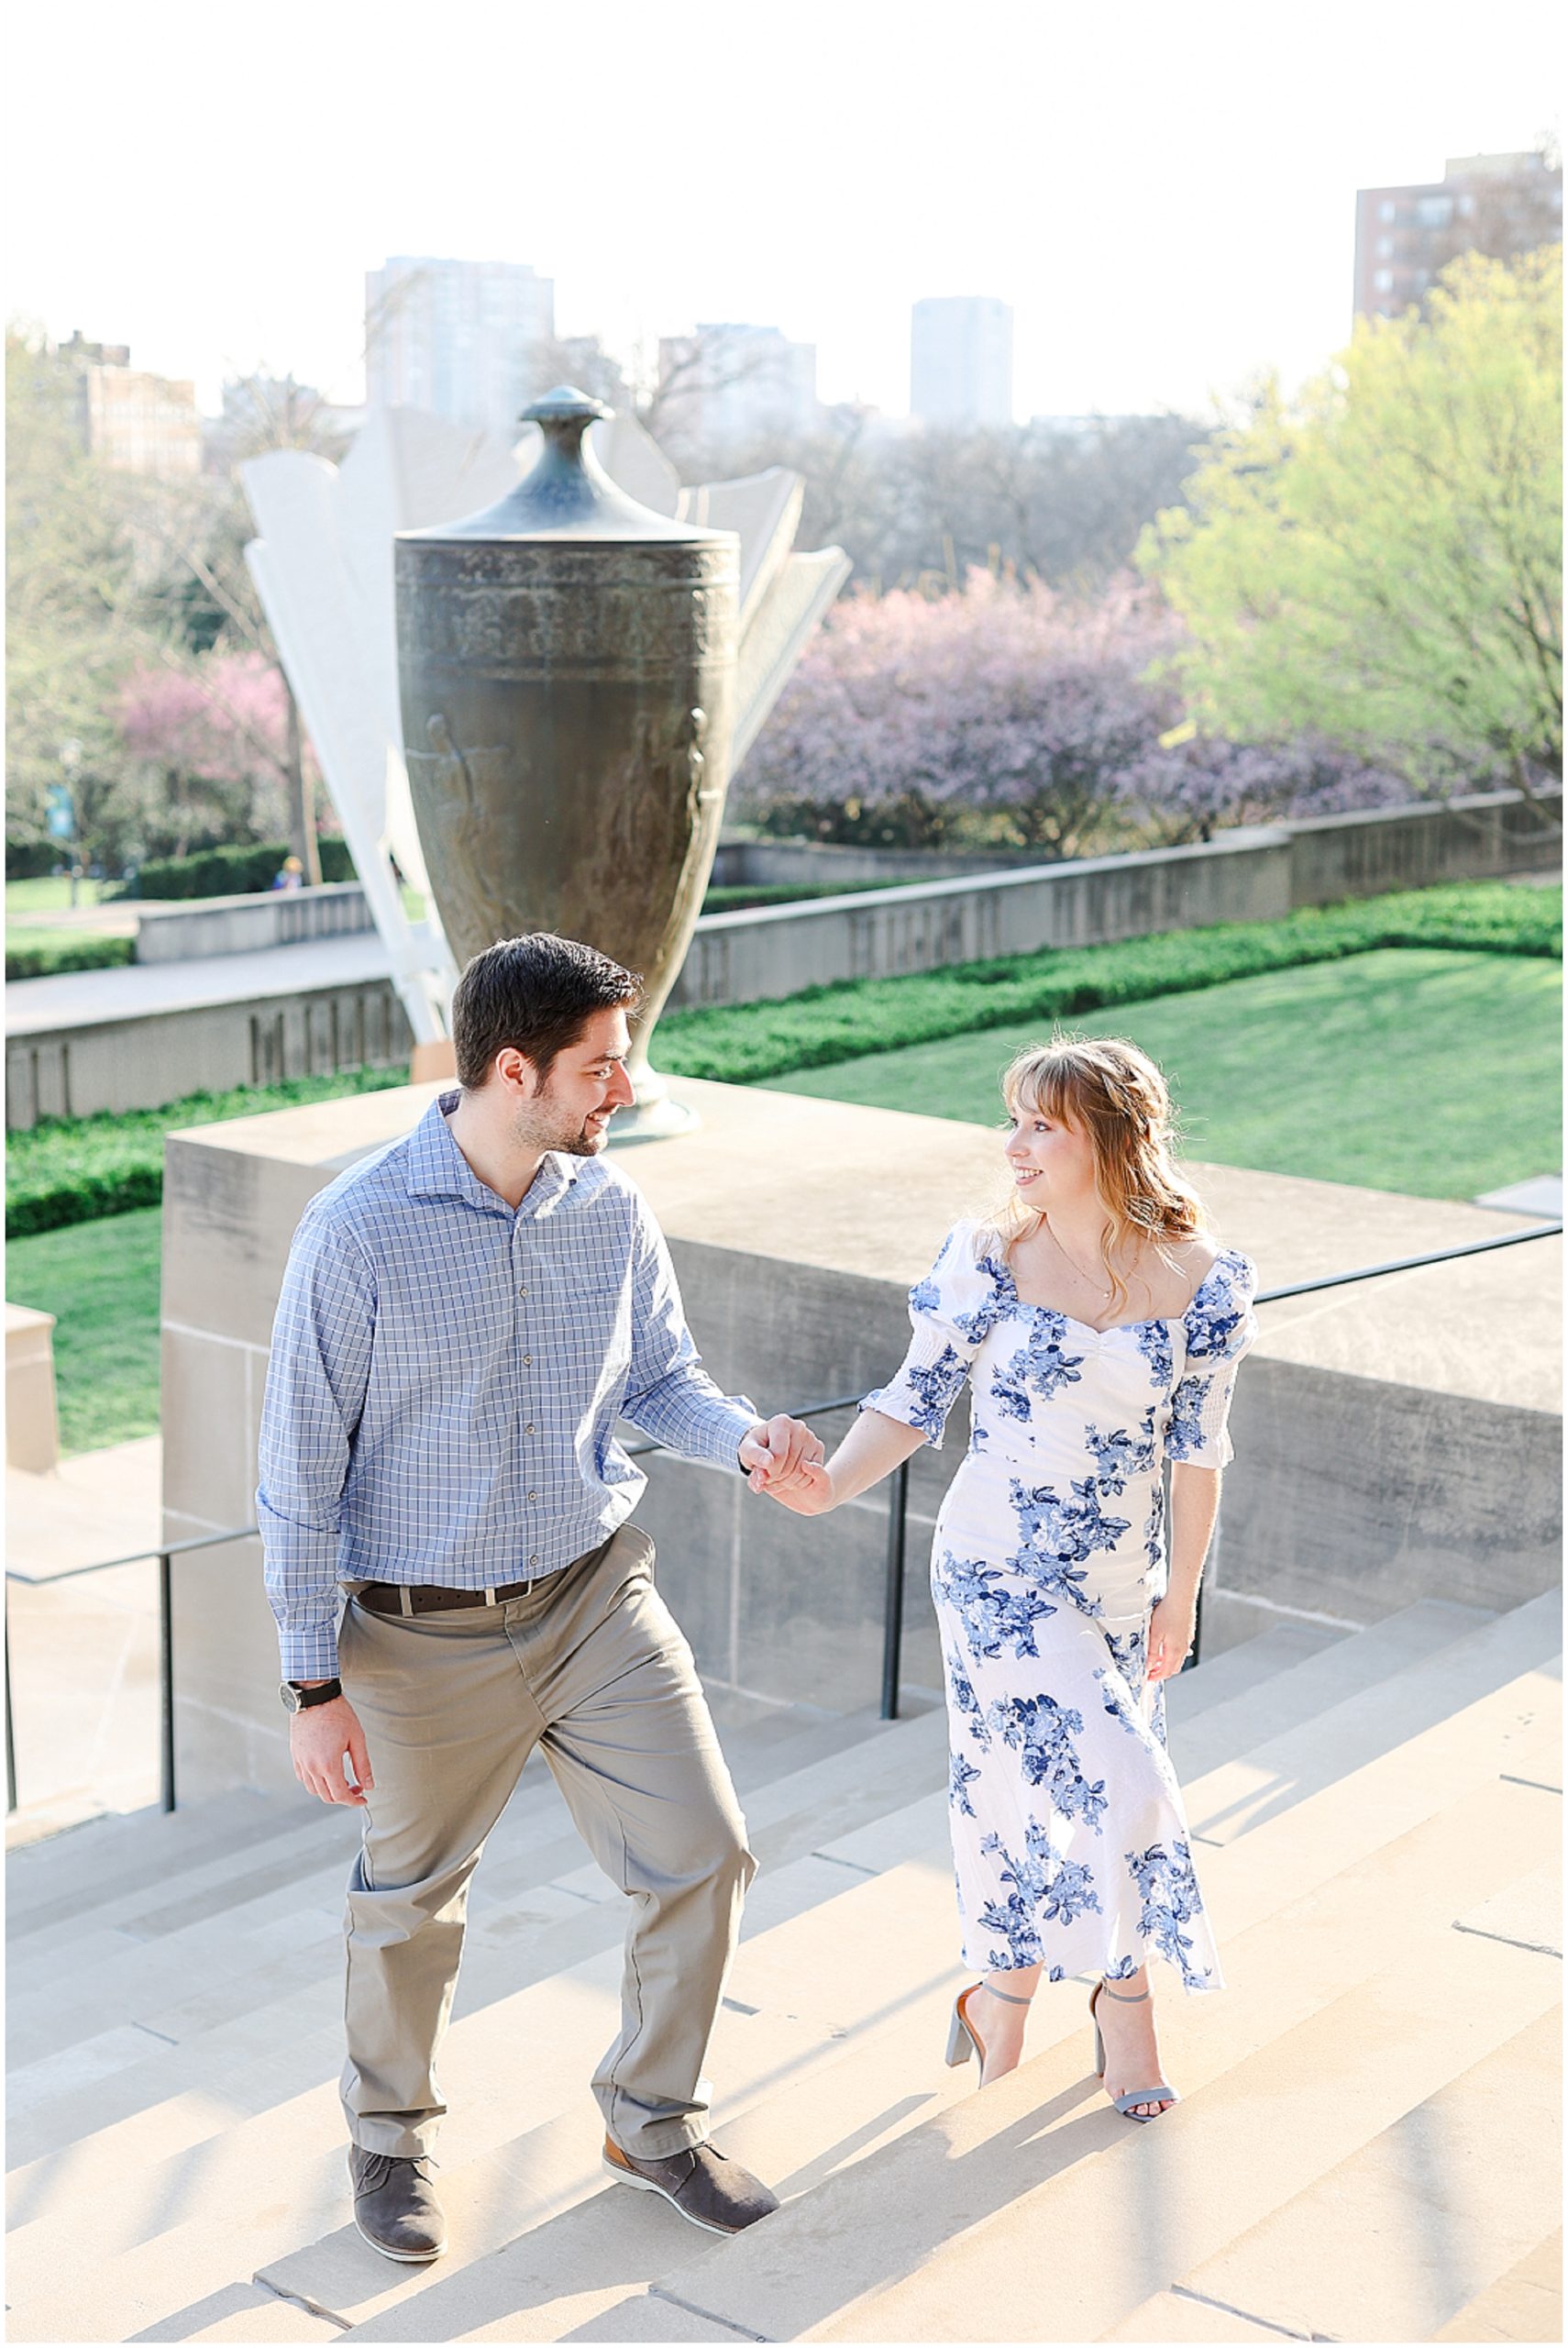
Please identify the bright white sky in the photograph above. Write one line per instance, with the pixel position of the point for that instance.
(1165, 196)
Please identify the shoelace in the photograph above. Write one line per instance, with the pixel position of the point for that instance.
(378, 2167)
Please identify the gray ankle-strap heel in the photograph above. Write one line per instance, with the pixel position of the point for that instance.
(961, 2040)
(1123, 2103)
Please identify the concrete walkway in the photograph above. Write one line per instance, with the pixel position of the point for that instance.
(143, 991)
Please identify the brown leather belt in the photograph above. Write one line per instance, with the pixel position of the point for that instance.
(430, 1598)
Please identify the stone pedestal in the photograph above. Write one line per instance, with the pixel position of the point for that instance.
(32, 1427)
(1395, 1439)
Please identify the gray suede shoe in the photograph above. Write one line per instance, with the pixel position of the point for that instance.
(396, 2206)
(708, 2190)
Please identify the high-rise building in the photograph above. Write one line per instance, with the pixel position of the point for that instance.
(961, 361)
(726, 384)
(140, 423)
(1499, 204)
(456, 337)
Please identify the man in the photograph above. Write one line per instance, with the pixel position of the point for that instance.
(463, 1320)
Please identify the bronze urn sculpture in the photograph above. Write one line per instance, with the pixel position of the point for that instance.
(567, 662)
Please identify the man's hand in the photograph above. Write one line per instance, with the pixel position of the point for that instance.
(320, 1738)
(778, 1454)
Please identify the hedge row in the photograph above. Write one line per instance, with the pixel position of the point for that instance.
(49, 955)
(68, 1172)
(747, 1043)
(234, 872)
(72, 1169)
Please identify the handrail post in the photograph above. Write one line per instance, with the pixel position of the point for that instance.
(893, 1593)
(10, 1733)
(166, 1674)
(1210, 1563)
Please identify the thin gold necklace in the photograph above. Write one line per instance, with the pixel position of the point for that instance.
(1097, 1289)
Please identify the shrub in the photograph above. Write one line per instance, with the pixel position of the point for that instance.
(748, 1043)
(234, 872)
(71, 1169)
(68, 1172)
(45, 957)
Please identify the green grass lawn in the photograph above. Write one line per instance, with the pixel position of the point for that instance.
(100, 1281)
(49, 892)
(1412, 1069)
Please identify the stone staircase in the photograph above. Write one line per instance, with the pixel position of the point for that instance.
(1365, 2149)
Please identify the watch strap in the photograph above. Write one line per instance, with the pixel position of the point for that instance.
(328, 1691)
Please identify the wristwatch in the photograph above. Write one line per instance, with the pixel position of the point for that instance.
(299, 1699)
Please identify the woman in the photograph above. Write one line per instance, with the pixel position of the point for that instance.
(1099, 1326)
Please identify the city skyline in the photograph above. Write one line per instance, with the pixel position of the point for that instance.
(1147, 267)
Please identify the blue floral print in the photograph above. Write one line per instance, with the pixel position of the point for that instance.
(961, 1692)
(1154, 1341)
(1038, 1369)
(992, 1615)
(962, 1775)
(1070, 1841)
(1046, 1888)
(1042, 1731)
(936, 1384)
(1168, 1887)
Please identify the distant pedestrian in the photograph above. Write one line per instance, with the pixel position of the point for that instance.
(292, 876)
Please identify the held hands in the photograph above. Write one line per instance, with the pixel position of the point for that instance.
(1171, 1628)
(783, 1457)
(320, 1738)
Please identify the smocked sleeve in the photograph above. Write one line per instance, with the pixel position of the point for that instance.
(952, 1311)
(1219, 1326)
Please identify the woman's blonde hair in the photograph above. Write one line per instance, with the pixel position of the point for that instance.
(1105, 1087)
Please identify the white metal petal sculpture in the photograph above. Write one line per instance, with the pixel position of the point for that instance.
(322, 566)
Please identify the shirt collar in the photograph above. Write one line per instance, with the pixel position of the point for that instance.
(438, 1168)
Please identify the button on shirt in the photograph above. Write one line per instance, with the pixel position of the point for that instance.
(446, 1374)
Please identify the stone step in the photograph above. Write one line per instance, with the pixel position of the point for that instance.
(1235, 1669)
(808, 2134)
(1422, 2219)
(524, 1941)
(801, 2123)
(243, 2044)
(1301, 1695)
(275, 2034)
(1269, 1778)
(794, 1985)
(940, 2237)
(227, 1882)
(1524, 2304)
(92, 1864)
(290, 1933)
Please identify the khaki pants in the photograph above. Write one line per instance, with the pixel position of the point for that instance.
(590, 1665)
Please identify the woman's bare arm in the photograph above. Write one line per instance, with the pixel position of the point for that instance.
(874, 1446)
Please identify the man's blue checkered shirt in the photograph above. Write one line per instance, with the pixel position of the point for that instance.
(447, 1375)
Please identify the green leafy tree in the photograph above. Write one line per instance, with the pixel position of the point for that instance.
(71, 597)
(1378, 562)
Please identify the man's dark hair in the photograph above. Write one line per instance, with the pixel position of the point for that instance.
(535, 994)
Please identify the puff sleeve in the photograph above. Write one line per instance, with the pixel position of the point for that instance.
(1219, 1326)
(952, 1311)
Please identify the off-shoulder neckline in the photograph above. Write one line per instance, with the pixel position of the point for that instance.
(1155, 1321)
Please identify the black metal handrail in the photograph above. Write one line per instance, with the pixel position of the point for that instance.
(897, 1524)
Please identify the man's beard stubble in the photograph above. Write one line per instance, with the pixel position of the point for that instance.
(536, 1130)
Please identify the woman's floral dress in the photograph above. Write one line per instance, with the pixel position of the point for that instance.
(1069, 1835)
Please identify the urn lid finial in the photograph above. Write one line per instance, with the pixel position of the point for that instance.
(565, 404)
(568, 494)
